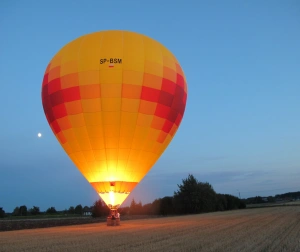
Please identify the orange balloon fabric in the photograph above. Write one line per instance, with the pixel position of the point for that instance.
(114, 100)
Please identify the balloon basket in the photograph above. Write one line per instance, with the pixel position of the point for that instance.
(112, 222)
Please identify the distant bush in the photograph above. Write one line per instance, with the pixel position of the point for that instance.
(34, 210)
(2, 213)
(51, 210)
(78, 209)
(20, 211)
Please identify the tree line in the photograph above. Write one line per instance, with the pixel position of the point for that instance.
(24, 211)
(290, 196)
(192, 197)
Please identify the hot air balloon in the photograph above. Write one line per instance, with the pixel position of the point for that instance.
(114, 100)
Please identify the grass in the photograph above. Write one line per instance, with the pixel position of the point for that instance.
(261, 229)
(41, 216)
(274, 204)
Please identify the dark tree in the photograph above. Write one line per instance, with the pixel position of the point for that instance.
(123, 211)
(155, 207)
(166, 206)
(2, 213)
(184, 198)
(207, 197)
(139, 208)
(163, 206)
(71, 210)
(194, 197)
(100, 209)
(233, 202)
(133, 207)
(271, 199)
(289, 195)
(51, 210)
(221, 202)
(78, 209)
(35, 210)
(16, 211)
(23, 211)
(147, 209)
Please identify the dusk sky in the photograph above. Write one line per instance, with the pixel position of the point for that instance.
(241, 127)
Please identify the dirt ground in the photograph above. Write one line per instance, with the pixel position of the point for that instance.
(263, 229)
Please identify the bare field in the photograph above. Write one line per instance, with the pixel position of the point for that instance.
(263, 229)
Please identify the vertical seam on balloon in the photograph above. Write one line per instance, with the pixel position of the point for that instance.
(162, 77)
(172, 100)
(87, 167)
(81, 108)
(130, 149)
(101, 106)
(142, 88)
(98, 168)
(143, 43)
(101, 126)
(145, 140)
(121, 105)
(162, 65)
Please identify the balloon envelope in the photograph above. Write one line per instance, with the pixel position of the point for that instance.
(114, 100)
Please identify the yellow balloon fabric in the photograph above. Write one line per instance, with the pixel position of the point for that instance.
(114, 100)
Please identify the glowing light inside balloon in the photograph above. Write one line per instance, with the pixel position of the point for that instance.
(39, 134)
(112, 198)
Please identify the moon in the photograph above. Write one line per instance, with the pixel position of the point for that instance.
(39, 134)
